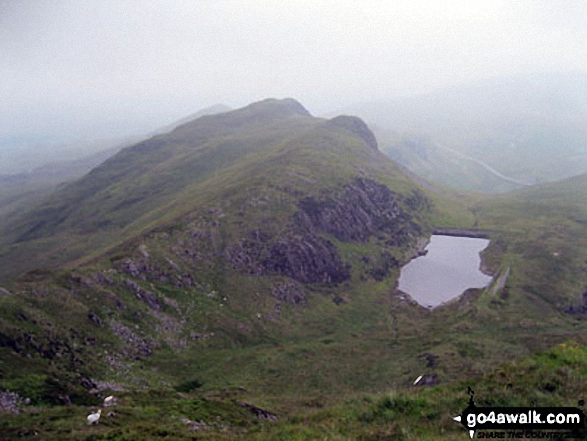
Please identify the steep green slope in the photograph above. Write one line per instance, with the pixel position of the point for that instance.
(18, 191)
(557, 377)
(270, 278)
(267, 243)
(543, 236)
(115, 199)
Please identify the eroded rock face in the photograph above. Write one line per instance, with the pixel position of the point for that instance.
(245, 256)
(362, 209)
(580, 308)
(135, 346)
(307, 259)
(142, 294)
(289, 291)
(301, 251)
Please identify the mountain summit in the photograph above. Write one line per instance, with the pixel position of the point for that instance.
(356, 126)
(224, 232)
(161, 177)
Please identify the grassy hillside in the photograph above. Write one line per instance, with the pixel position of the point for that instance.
(259, 265)
(555, 378)
(18, 191)
(115, 199)
(246, 240)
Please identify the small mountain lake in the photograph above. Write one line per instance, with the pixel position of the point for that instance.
(450, 267)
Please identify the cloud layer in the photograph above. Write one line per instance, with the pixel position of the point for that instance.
(100, 68)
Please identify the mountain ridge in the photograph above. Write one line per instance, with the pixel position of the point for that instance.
(269, 278)
(118, 193)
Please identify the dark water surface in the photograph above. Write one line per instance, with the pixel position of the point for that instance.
(450, 267)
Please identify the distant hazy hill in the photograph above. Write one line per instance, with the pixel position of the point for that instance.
(18, 191)
(24, 158)
(528, 129)
(212, 110)
(23, 155)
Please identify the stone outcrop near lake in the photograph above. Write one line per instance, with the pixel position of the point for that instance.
(360, 210)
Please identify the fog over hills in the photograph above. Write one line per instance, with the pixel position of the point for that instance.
(493, 135)
(107, 70)
(58, 165)
(234, 273)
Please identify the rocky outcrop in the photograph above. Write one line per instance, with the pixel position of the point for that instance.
(135, 269)
(169, 329)
(258, 412)
(245, 255)
(355, 213)
(135, 347)
(10, 402)
(153, 273)
(306, 258)
(289, 291)
(362, 209)
(142, 294)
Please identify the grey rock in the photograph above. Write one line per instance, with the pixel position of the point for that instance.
(135, 346)
(362, 209)
(146, 296)
(10, 402)
(307, 259)
(200, 425)
(258, 412)
(94, 319)
(289, 291)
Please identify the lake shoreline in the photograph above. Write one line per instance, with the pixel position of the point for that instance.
(446, 273)
(462, 232)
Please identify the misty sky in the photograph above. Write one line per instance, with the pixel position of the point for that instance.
(99, 69)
